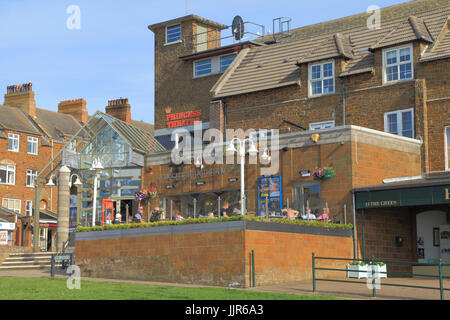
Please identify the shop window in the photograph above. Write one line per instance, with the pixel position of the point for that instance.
(32, 147)
(400, 122)
(447, 148)
(398, 64)
(321, 78)
(31, 177)
(308, 195)
(7, 174)
(13, 142)
(173, 34)
(11, 204)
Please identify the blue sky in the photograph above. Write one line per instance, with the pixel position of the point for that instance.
(111, 55)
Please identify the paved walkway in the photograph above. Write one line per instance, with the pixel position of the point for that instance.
(362, 292)
(326, 288)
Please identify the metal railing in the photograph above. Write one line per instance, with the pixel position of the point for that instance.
(374, 274)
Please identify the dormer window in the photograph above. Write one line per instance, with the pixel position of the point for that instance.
(398, 64)
(173, 34)
(321, 78)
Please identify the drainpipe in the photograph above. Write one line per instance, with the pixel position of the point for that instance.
(51, 188)
(343, 101)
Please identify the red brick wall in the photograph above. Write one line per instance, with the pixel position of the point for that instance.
(211, 258)
(284, 257)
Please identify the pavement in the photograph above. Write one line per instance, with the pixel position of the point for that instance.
(354, 291)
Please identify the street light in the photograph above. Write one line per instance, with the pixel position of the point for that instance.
(252, 151)
(96, 165)
(50, 183)
(76, 183)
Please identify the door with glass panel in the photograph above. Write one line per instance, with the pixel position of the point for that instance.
(307, 195)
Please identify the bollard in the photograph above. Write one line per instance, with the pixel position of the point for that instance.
(373, 277)
(441, 288)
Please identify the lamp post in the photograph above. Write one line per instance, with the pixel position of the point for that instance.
(252, 150)
(96, 165)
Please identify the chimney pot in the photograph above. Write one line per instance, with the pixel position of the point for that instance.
(22, 97)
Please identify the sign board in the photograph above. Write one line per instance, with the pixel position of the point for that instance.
(444, 232)
(413, 196)
(182, 119)
(7, 226)
(62, 257)
(3, 238)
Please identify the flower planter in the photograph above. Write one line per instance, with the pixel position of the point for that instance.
(357, 271)
(377, 270)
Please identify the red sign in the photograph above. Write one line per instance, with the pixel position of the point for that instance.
(181, 119)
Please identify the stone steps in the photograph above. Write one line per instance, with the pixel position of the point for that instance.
(28, 261)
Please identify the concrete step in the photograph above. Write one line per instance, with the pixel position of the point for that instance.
(32, 254)
(27, 267)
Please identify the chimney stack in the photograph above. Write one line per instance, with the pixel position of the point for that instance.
(119, 109)
(76, 108)
(21, 96)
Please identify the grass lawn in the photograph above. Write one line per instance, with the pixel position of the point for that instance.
(56, 289)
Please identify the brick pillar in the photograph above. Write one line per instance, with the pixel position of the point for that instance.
(421, 127)
(217, 116)
(62, 231)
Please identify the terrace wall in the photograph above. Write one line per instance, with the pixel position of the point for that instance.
(212, 253)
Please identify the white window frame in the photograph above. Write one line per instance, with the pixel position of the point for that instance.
(322, 78)
(14, 136)
(397, 49)
(29, 208)
(215, 65)
(33, 141)
(321, 124)
(176, 41)
(399, 121)
(446, 147)
(15, 201)
(8, 169)
(32, 174)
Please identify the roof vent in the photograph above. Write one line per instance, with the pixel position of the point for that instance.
(259, 65)
(286, 60)
(363, 49)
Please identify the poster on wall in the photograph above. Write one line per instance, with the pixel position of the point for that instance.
(3, 238)
(444, 232)
(73, 213)
(269, 194)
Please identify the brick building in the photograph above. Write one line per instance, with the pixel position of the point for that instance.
(30, 137)
(371, 102)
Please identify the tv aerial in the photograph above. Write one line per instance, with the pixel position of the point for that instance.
(237, 28)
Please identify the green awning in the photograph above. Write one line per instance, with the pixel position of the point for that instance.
(402, 197)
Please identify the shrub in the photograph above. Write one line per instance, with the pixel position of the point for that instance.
(210, 220)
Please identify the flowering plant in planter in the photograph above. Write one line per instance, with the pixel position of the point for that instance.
(324, 173)
(145, 195)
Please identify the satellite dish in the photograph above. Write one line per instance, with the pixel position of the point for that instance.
(237, 28)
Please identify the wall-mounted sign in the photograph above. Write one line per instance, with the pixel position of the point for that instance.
(200, 183)
(3, 238)
(233, 179)
(182, 119)
(269, 194)
(197, 174)
(170, 186)
(7, 226)
(305, 173)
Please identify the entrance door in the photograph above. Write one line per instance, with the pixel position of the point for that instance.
(427, 244)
